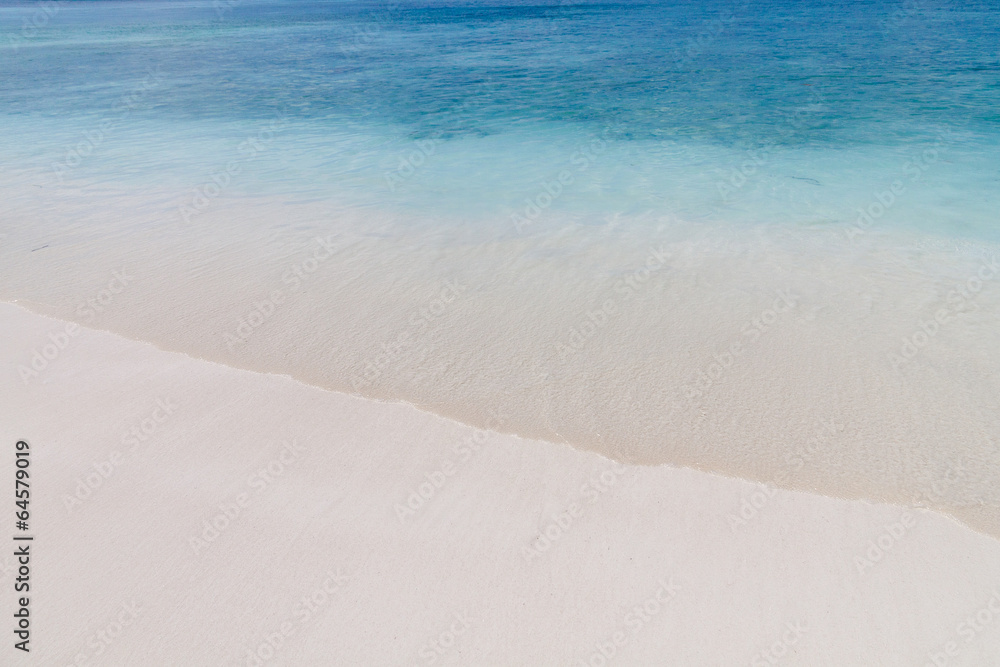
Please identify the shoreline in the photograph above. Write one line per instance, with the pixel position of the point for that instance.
(708, 349)
(249, 467)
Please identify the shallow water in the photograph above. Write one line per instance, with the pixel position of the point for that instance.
(752, 239)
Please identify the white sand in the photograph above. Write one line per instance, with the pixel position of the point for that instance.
(454, 572)
(703, 365)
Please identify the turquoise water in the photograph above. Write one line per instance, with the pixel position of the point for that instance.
(463, 110)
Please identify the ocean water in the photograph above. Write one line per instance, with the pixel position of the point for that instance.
(755, 238)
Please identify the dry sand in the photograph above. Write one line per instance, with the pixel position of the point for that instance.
(189, 513)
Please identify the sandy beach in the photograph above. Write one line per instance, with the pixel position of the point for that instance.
(191, 513)
(499, 333)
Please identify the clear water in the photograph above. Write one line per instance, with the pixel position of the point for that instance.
(822, 102)
(538, 154)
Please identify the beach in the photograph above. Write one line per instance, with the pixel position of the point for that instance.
(403, 333)
(195, 513)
